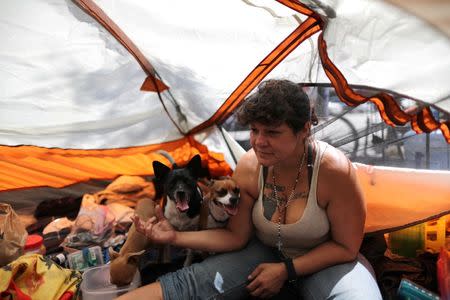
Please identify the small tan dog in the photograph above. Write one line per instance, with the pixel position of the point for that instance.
(125, 263)
(220, 201)
(222, 197)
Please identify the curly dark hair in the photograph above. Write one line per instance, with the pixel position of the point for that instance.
(277, 101)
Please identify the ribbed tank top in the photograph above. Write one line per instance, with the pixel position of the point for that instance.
(309, 231)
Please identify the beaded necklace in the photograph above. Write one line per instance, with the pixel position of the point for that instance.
(282, 206)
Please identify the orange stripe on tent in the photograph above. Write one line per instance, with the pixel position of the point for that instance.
(445, 128)
(427, 122)
(30, 166)
(301, 33)
(151, 83)
(389, 110)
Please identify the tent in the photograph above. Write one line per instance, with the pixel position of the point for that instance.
(91, 88)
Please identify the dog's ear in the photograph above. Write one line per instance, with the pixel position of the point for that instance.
(206, 187)
(195, 165)
(113, 254)
(209, 195)
(160, 169)
(205, 182)
(133, 257)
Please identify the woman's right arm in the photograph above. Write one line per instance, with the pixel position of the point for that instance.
(232, 237)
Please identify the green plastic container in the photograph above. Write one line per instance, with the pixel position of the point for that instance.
(407, 242)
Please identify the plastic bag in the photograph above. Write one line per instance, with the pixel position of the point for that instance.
(13, 235)
(93, 225)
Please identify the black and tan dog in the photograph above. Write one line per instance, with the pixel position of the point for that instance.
(182, 199)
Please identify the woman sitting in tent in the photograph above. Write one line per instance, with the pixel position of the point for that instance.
(308, 224)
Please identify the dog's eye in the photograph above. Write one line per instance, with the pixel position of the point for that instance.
(222, 192)
(236, 190)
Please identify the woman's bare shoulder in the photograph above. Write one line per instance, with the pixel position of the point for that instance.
(335, 165)
(337, 178)
(248, 162)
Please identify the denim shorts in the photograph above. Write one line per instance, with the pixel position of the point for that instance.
(224, 276)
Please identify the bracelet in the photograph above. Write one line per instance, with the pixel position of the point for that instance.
(292, 275)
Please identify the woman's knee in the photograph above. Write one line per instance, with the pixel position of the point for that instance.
(345, 281)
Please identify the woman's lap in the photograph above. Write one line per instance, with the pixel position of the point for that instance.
(224, 276)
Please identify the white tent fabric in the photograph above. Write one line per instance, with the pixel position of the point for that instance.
(67, 83)
(372, 41)
(63, 67)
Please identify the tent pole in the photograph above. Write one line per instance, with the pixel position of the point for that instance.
(383, 152)
(448, 157)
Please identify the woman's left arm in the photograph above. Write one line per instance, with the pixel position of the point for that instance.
(339, 193)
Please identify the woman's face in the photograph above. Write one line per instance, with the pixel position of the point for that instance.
(273, 144)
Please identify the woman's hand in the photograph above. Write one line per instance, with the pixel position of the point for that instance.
(157, 228)
(267, 280)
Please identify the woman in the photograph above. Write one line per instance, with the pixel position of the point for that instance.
(308, 224)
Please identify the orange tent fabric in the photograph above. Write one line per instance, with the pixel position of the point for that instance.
(401, 197)
(28, 166)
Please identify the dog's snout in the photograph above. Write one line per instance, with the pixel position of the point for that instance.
(234, 200)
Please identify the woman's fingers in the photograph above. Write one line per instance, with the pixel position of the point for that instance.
(148, 229)
(159, 213)
(138, 224)
(257, 287)
(255, 273)
(154, 228)
(254, 282)
(252, 286)
(135, 219)
(261, 292)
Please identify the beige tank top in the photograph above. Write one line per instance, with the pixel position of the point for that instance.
(309, 231)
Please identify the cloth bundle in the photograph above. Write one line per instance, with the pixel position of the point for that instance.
(126, 190)
(35, 277)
